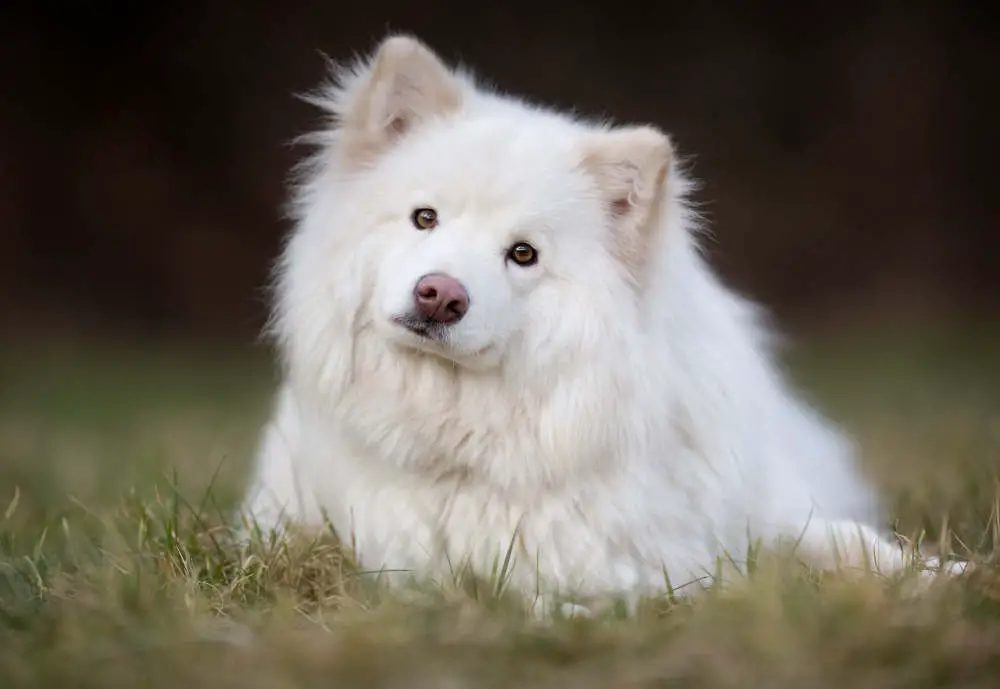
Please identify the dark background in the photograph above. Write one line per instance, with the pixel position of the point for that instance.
(848, 150)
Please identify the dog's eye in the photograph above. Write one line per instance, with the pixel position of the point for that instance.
(424, 218)
(523, 254)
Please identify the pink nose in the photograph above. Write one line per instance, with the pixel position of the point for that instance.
(441, 298)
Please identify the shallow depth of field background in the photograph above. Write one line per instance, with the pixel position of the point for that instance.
(848, 158)
(848, 150)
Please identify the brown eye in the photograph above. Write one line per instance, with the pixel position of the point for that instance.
(523, 254)
(424, 218)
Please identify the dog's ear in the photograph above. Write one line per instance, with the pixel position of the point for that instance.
(404, 84)
(630, 166)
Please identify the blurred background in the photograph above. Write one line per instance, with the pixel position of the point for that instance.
(847, 150)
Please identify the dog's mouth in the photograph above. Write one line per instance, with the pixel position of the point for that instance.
(423, 327)
(435, 338)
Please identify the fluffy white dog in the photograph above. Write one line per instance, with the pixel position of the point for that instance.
(498, 334)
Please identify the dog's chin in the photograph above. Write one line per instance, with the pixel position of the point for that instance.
(439, 340)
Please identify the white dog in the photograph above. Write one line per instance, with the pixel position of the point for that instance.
(498, 335)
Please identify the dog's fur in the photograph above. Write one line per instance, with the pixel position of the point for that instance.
(611, 413)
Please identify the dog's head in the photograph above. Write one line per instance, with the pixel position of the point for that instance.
(473, 226)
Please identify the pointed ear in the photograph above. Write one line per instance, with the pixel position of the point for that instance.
(405, 84)
(630, 166)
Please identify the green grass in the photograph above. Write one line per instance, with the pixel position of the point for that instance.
(118, 465)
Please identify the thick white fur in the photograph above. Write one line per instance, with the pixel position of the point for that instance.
(612, 411)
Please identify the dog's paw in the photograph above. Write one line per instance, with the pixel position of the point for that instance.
(933, 566)
(574, 610)
(546, 607)
(933, 573)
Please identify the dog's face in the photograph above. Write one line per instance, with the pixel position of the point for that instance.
(488, 226)
(489, 237)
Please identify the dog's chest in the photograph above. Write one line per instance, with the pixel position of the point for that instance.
(449, 431)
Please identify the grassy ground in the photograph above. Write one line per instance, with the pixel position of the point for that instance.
(113, 571)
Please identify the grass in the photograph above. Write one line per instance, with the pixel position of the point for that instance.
(118, 464)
